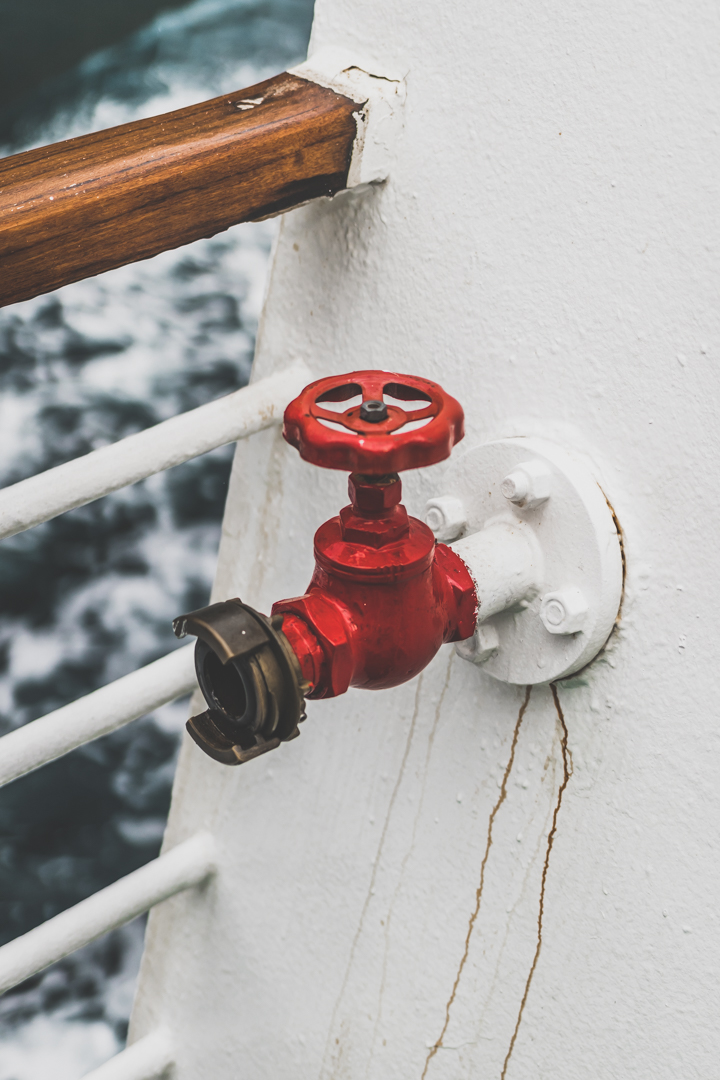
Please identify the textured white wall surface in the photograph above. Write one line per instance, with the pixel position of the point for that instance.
(431, 882)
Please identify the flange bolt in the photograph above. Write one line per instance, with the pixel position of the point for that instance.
(564, 612)
(481, 646)
(528, 485)
(446, 517)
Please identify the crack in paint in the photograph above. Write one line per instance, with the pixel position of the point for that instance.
(567, 773)
(408, 853)
(478, 892)
(376, 863)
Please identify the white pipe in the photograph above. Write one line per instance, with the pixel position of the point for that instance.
(146, 1059)
(55, 491)
(505, 562)
(188, 864)
(98, 713)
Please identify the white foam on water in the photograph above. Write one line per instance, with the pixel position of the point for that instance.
(56, 1046)
(47, 1033)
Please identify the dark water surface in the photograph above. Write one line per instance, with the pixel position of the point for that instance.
(90, 596)
(42, 39)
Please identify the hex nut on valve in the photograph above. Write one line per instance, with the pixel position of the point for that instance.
(528, 485)
(564, 612)
(446, 517)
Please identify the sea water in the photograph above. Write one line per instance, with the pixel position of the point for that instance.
(90, 596)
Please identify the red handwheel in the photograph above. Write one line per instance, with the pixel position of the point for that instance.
(384, 596)
(375, 435)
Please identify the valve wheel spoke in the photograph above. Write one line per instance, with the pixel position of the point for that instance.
(351, 419)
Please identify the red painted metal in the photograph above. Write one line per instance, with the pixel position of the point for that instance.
(384, 596)
(343, 440)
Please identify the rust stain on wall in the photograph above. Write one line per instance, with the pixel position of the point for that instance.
(567, 773)
(478, 892)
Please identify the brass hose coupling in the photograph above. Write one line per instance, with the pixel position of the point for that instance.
(250, 677)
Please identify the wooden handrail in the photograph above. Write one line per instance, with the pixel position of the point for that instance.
(79, 207)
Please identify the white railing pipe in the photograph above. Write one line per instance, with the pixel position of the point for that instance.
(188, 864)
(97, 714)
(146, 1059)
(169, 443)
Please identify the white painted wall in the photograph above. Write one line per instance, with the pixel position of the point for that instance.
(547, 249)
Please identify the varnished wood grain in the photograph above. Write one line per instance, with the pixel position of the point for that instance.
(76, 208)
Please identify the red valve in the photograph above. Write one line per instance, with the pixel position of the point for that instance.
(372, 436)
(384, 596)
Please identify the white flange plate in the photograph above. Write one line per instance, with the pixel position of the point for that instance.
(582, 557)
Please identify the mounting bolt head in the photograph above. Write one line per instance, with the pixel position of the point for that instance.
(480, 647)
(564, 612)
(446, 517)
(528, 485)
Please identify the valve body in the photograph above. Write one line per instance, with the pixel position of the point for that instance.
(376, 612)
(384, 595)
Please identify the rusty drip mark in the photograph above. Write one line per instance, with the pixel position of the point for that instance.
(616, 625)
(567, 773)
(478, 892)
(623, 558)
